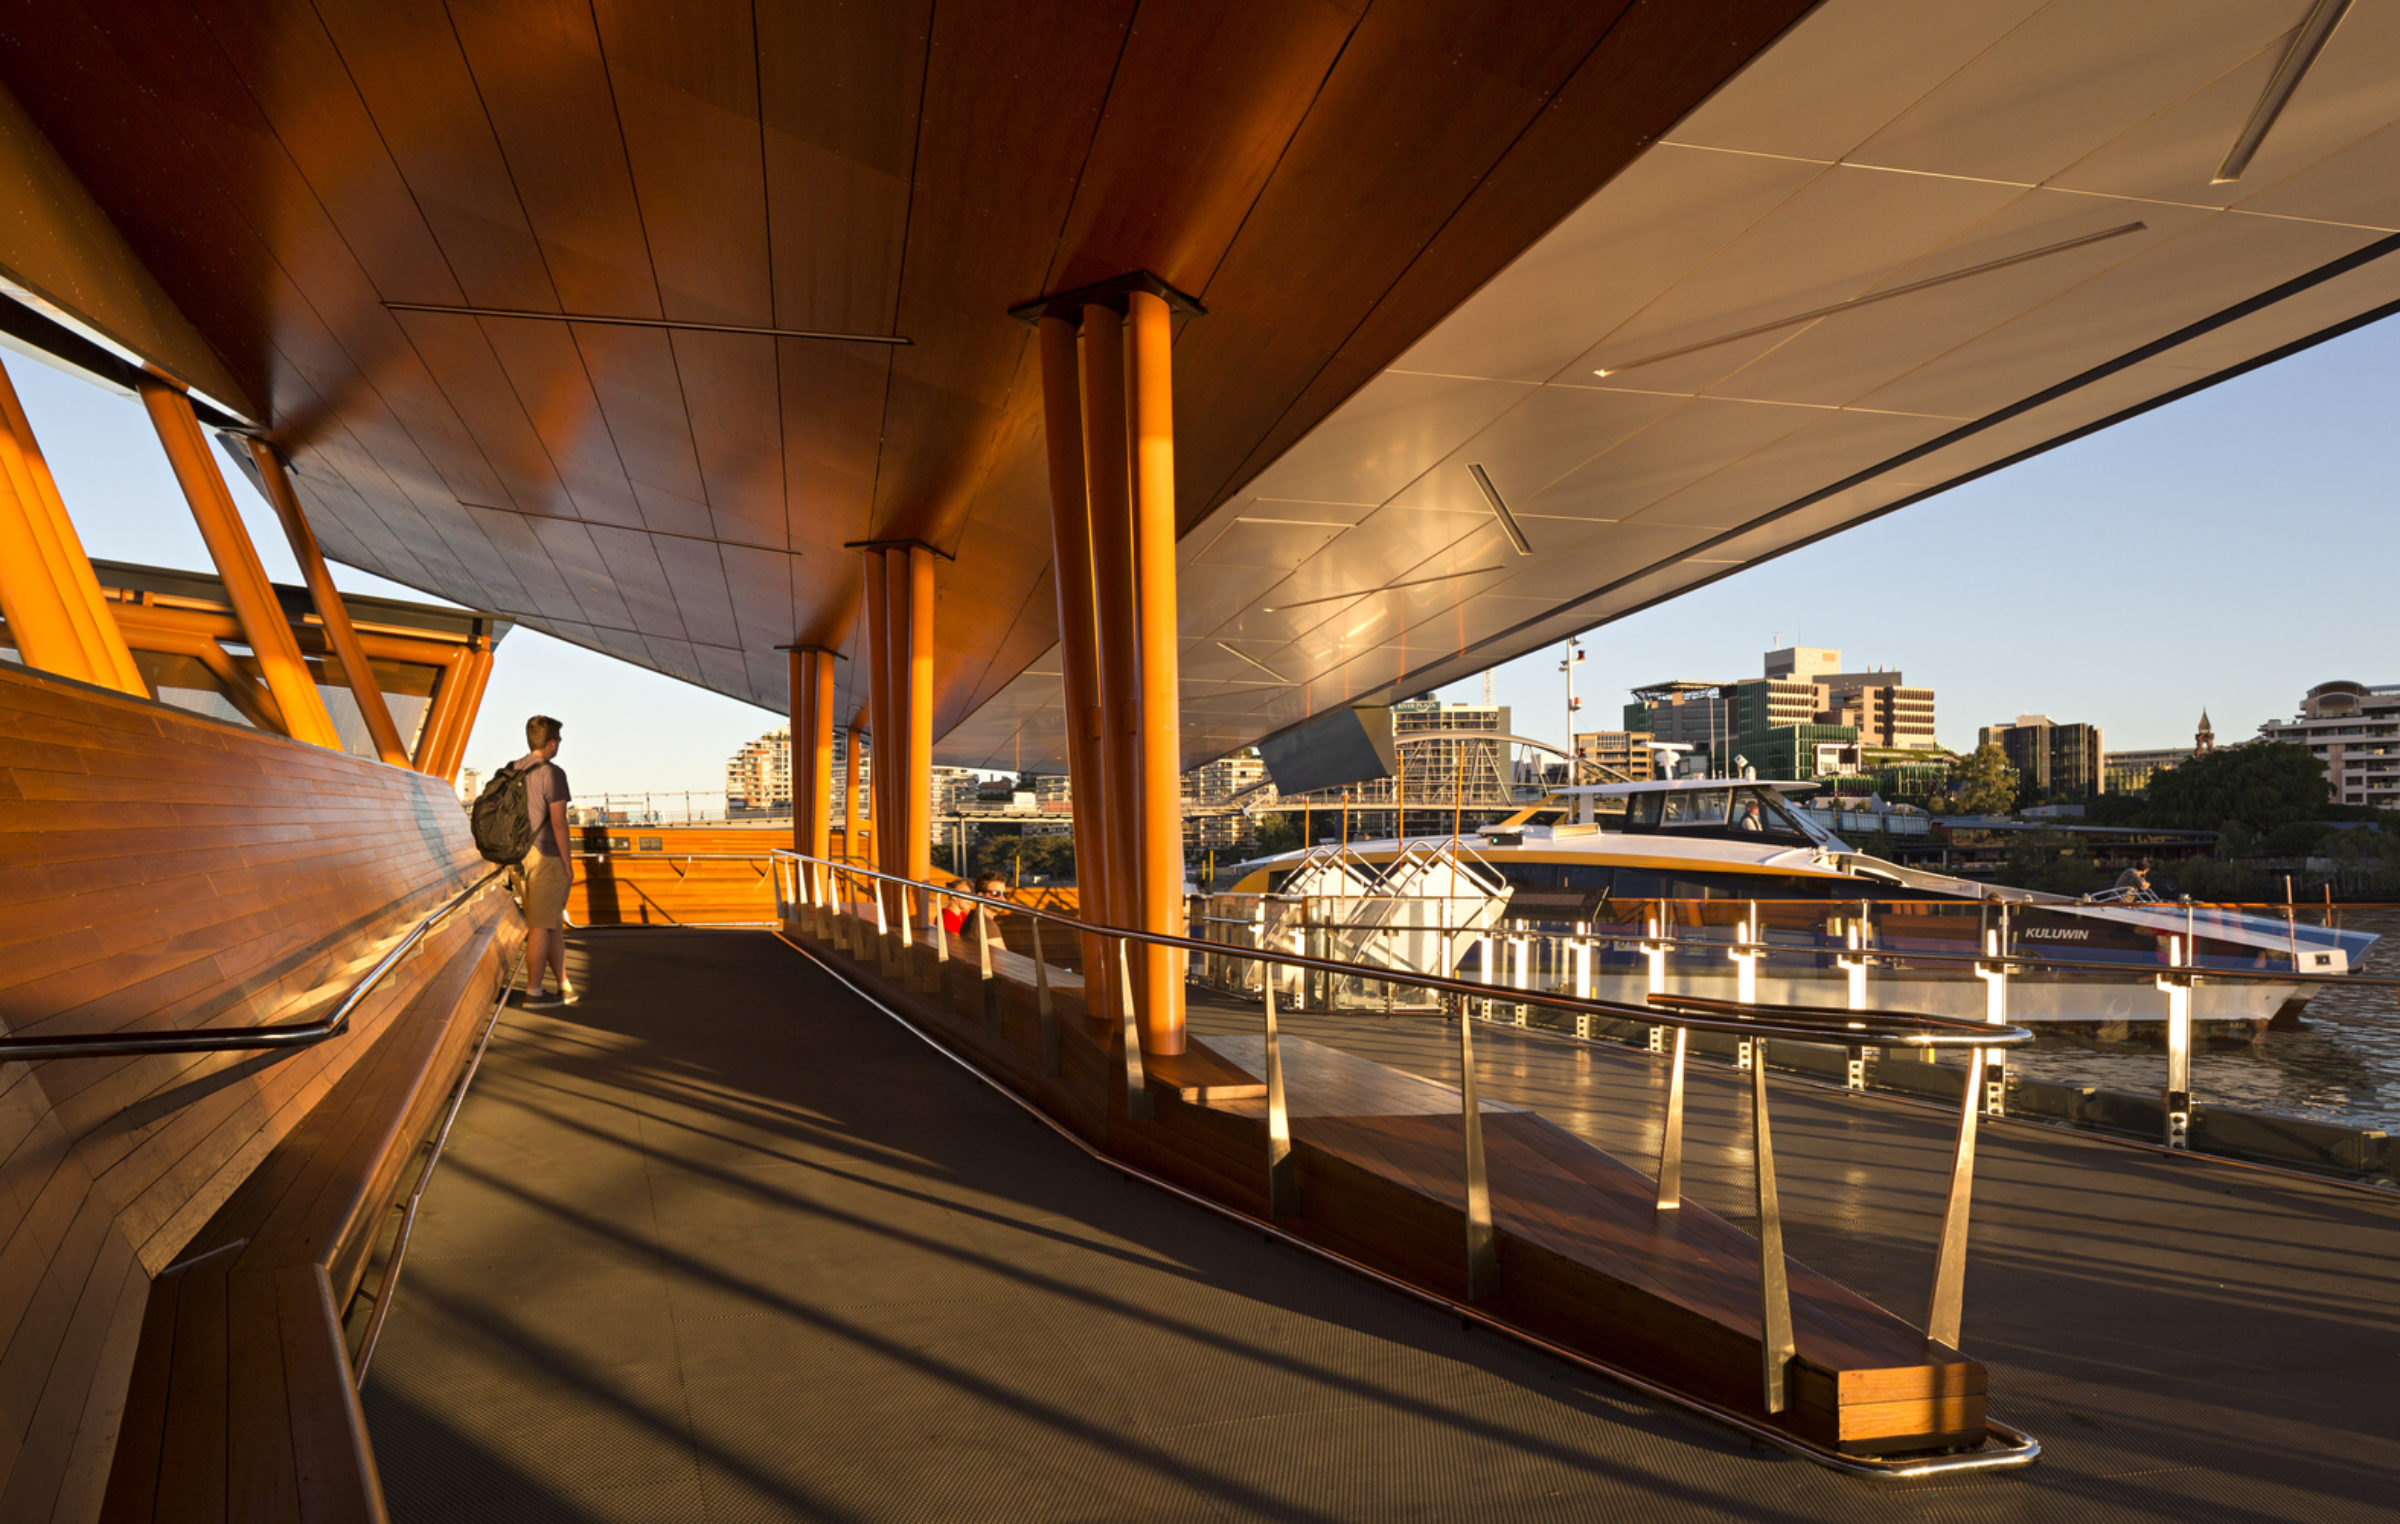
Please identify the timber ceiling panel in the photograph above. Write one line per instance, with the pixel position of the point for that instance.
(1329, 175)
(2041, 174)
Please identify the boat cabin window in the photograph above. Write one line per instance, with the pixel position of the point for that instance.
(1737, 814)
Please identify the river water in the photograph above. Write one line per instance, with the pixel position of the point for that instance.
(2343, 1065)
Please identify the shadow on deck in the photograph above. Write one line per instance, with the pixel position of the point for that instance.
(725, 1242)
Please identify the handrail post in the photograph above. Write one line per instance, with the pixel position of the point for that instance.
(1745, 982)
(1950, 1263)
(1654, 952)
(989, 986)
(1854, 1075)
(1283, 1197)
(1483, 1254)
(883, 932)
(1774, 1289)
(1138, 1104)
(2178, 1096)
(1995, 1008)
(1670, 1132)
(1043, 1009)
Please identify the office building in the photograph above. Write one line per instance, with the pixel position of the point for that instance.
(1623, 755)
(1680, 712)
(2051, 758)
(1209, 820)
(2354, 731)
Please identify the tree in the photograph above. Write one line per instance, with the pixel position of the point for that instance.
(2262, 785)
(1984, 784)
(1279, 832)
(2056, 861)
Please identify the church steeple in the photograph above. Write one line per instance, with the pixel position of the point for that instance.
(2205, 739)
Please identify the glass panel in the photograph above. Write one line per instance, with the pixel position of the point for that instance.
(1695, 807)
(183, 682)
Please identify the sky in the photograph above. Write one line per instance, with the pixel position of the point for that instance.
(2228, 551)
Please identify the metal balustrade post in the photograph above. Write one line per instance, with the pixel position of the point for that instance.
(988, 985)
(1483, 1251)
(1583, 951)
(1995, 1008)
(2178, 1094)
(1138, 1104)
(1670, 1132)
(1654, 952)
(1950, 1261)
(1854, 1072)
(1283, 1196)
(1745, 982)
(1044, 1010)
(1774, 1288)
(883, 932)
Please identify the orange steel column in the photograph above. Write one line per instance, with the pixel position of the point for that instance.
(56, 616)
(1160, 788)
(476, 674)
(363, 688)
(435, 728)
(1107, 485)
(919, 677)
(897, 587)
(246, 586)
(1071, 574)
(812, 750)
(879, 706)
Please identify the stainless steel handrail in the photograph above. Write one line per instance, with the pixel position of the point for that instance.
(1914, 1029)
(237, 1039)
(1987, 960)
(830, 901)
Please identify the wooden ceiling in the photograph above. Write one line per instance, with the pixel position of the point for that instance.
(1329, 178)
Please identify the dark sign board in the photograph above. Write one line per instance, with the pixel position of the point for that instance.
(1347, 746)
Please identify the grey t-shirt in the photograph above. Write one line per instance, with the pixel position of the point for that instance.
(545, 785)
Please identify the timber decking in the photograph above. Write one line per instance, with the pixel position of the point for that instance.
(158, 869)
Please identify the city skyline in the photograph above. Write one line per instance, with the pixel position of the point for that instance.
(2032, 590)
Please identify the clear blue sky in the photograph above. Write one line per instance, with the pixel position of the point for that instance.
(2229, 551)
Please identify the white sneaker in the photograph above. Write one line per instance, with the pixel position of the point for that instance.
(568, 994)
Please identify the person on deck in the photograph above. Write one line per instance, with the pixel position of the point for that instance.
(2136, 878)
(549, 866)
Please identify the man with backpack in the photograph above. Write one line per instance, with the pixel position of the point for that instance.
(549, 863)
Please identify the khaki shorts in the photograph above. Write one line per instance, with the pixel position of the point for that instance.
(545, 892)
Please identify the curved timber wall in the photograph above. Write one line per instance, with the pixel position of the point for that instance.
(158, 869)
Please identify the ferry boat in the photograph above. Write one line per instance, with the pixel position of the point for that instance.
(1561, 897)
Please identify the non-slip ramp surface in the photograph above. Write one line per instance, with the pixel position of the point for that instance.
(723, 1242)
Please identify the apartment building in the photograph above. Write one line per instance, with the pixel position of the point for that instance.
(2354, 731)
(2050, 757)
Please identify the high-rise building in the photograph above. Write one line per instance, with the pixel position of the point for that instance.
(2050, 758)
(1781, 720)
(758, 778)
(1681, 712)
(2354, 731)
(1206, 789)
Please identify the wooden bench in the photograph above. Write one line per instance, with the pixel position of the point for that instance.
(242, 1404)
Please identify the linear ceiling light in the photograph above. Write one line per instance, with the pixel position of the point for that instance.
(1369, 592)
(673, 324)
(1872, 297)
(1255, 662)
(2307, 43)
(1508, 520)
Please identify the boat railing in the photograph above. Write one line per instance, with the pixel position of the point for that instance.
(878, 915)
(305, 1034)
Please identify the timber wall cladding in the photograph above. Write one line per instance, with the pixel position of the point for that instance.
(160, 870)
